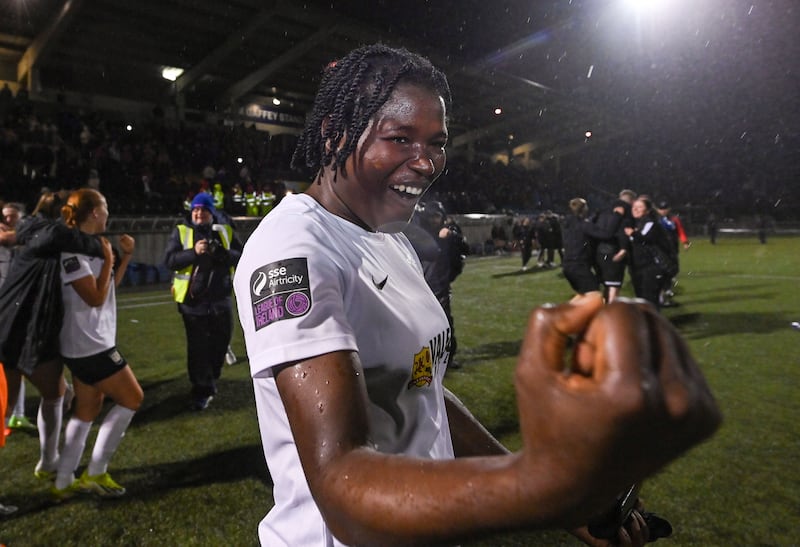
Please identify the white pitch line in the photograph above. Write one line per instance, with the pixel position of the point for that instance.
(127, 298)
(147, 305)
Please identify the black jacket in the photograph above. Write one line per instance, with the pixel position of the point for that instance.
(649, 241)
(617, 240)
(580, 236)
(31, 309)
(214, 268)
(442, 259)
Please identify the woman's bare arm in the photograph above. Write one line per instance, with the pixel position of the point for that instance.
(94, 290)
(633, 390)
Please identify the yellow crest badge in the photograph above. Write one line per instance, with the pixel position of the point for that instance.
(422, 372)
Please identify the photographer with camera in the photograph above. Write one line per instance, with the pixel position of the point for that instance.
(202, 255)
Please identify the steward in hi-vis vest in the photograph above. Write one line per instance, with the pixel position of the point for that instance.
(202, 255)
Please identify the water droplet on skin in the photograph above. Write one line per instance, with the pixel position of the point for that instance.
(321, 407)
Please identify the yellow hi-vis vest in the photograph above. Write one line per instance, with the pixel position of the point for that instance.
(180, 279)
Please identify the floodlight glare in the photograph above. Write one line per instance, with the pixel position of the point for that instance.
(276, 101)
(171, 73)
(644, 4)
(498, 111)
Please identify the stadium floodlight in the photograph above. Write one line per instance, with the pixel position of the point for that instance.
(171, 73)
(645, 4)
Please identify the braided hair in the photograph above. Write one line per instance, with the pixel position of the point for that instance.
(352, 90)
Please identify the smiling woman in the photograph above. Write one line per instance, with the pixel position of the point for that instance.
(395, 161)
(348, 348)
(398, 134)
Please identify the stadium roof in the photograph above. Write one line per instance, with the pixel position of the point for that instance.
(557, 68)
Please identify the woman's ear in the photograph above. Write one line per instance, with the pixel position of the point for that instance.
(323, 131)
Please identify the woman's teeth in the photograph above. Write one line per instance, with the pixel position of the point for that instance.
(410, 190)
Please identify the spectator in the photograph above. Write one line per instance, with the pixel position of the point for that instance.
(555, 241)
(651, 251)
(677, 237)
(611, 255)
(526, 241)
(7, 240)
(580, 240)
(442, 250)
(203, 255)
(499, 237)
(546, 239)
(12, 213)
(711, 225)
(761, 228)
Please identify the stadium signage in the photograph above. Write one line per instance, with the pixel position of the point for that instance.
(261, 113)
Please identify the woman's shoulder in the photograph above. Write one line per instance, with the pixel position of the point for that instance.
(298, 217)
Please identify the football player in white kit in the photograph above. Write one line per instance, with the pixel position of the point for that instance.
(348, 346)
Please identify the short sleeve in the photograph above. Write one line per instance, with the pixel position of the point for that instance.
(290, 298)
(74, 266)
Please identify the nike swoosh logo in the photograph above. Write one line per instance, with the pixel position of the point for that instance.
(380, 284)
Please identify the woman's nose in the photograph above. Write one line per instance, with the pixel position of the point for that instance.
(423, 163)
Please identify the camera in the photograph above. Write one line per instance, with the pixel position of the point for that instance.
(606, 525)
(216, 249)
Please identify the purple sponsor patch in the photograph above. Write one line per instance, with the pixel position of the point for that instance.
(280, 291)
(298, 303)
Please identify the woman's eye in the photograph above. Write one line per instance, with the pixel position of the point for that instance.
(401, 140)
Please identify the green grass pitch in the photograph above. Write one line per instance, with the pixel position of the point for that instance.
(200, 478)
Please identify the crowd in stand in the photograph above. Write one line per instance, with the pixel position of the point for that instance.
(154, 167)
(157, 165)
(149, 168)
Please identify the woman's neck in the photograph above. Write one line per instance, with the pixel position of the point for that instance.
(322, 191)
(86, 228)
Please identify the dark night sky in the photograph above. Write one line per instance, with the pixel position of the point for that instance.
(702, 94)
(711, 86)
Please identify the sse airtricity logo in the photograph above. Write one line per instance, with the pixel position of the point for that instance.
(259, 283)
(280, 291)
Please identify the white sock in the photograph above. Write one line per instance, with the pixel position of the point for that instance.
(74, 443)
(49, 422)
(108, 438)
(19, 407)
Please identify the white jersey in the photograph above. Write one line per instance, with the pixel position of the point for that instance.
(86, 330)
(310, 283)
